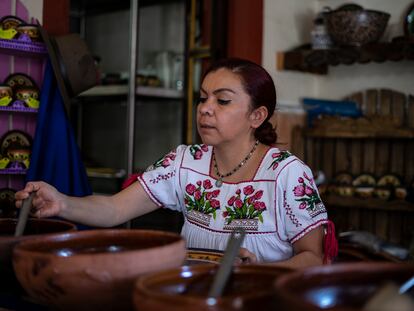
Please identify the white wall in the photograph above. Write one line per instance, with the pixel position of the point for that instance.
(35, 8)
(287, 24)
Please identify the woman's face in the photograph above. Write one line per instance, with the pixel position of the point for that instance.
(223, 110)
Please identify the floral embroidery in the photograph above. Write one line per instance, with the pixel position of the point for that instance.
(199, 199)
(289, 212)
(162, 177)
(248, 207)
(308, 196)
(279, 157)
(197, 151)
(165, 161)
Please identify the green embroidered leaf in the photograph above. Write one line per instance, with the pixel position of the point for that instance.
(261, 218)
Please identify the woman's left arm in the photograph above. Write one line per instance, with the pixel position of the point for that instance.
(308, 251)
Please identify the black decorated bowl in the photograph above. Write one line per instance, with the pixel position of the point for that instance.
(356, 27)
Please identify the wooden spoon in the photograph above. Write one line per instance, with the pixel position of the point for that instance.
(24, 214)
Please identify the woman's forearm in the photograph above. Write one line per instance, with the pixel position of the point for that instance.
(302, 260)
(94, 210)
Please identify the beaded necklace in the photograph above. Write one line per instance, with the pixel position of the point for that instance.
(219, 181)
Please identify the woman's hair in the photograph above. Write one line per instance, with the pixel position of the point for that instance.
(259, 85)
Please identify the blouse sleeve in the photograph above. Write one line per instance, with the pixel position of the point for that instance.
(160, 180)
(303, 209)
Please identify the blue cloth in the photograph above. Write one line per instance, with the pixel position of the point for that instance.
(55, 156)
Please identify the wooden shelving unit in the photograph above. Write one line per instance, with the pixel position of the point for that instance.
(399, 133)
(369, 203)
(305, 59)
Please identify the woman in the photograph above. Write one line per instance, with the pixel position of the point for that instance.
(235, 178)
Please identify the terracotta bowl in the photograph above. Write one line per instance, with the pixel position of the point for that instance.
(94, 269)
(356, 27)
(344, 287)
(186, 288)
(34, 228)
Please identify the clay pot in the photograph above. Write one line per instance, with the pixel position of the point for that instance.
(34, 228)
(32, 31)
(94, 269)
(186, 288)
(344, 287)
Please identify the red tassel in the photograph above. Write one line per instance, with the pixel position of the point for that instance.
(130, 180)
(330, 243)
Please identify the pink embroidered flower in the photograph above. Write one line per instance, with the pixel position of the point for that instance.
(172, 156)
(258, 195)
(197, 195)
(238, 203)
(215, 193)
(209, 195)
(300, 180)
(248, 190)
(299, 191)
(225, 214)
(197, 151)
(257, 205)
(308, 191)
(190, 188)
(245, 205)
(278, 157)
(166, 162)
(302, 205)
(197, 198)
(198, 154)
(215, 203)
(207, 184)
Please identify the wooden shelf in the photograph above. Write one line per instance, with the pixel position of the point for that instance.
(333, 201)
(305, 59)
(400, 133)
(147, 91)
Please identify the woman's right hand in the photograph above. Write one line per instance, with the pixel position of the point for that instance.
(47, 201)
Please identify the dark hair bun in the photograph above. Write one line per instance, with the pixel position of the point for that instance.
(266, 134)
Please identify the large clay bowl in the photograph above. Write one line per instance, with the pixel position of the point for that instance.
(356, 27)
(344, 287)
(186, 288)
(95, 269)
(34, 228)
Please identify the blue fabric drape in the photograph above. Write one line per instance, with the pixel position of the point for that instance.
(55, 155)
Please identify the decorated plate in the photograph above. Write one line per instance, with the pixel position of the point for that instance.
(364, 180)
(343, 179)
(7, 208)
(19, 80)
(15, 139)
(198, 256)
(9, 21)
(389, 180)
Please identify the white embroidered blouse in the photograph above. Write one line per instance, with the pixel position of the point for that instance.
(276, 208)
